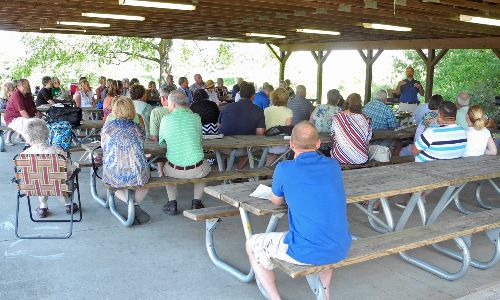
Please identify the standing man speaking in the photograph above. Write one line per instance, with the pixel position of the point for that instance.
(408, 90)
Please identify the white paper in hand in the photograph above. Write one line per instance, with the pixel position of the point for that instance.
(262, 191)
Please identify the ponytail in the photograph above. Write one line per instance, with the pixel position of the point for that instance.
(476, 116)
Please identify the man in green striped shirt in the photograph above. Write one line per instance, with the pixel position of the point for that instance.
(181, 131)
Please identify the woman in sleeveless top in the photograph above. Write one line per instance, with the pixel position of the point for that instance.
(84, 96)
(479, 139)
(124, 161)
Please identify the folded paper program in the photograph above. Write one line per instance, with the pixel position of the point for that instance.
(262, 191)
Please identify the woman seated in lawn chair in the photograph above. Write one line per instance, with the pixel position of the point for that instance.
(37, 135)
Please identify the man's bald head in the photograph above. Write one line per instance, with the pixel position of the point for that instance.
(305, 136)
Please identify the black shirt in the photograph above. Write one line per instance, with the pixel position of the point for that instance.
(208, 111)
(43, 97)
(242, 117)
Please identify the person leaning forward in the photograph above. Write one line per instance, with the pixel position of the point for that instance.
(312, 187)
(181, 132)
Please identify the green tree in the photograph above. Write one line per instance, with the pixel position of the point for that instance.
(71, 55)
(474, 71)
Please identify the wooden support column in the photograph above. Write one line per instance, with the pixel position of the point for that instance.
(282, 58)
(320, 58)
(369, 59)
(430, 60)
(497, 52)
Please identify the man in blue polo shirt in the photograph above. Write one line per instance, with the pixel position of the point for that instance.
(408, 90)
(312, 187)
(261, 99)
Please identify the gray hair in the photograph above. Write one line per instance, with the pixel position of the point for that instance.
(463, 99)
(182, 80)
(125, 80)
(37, 132)
(178, 98)
(381, 94)
(300, 90)
(8, 87)
(164, 91)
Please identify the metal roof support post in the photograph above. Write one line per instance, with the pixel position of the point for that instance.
(282, 58)
(320, 58)
(369, 60)
(430, 60)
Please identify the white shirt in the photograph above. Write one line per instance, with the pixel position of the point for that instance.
(212, 96)
(477, 140)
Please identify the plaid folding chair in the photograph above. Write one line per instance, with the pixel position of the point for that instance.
(45, 175)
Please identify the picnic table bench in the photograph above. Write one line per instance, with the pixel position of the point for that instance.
(380, 183)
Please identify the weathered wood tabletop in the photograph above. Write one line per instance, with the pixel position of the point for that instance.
(94, 124)
(374, 183)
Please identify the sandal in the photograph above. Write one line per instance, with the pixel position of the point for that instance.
(68, 208)
(42, 212)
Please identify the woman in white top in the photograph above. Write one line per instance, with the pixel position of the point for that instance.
(479, 139)
(84, 97)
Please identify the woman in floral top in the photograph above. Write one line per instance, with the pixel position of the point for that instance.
(124, 161)
(322, 116)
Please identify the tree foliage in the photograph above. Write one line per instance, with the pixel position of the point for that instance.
(72, 55)
(474, 71)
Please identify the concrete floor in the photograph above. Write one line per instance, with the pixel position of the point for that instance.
(166, 259)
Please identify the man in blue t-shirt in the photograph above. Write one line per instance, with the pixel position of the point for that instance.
(408, 91)
(261, 99)
(312, 187)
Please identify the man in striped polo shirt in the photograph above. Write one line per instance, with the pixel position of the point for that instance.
(447, 141)
(181, 132)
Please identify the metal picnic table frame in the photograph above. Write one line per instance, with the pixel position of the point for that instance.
(430, 178)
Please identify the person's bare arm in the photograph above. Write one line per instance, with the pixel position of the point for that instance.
(491, 147)
(277, 200)
(141, 122)
(24, 114)
(414, 150)
(288, 122)
(154, 138)
(398, 88)
(420, 89)
(78, 99)
(260, 131)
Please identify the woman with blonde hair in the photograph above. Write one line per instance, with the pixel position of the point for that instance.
(124, 161)
(278, 115)
(111, 93)
(351, 132)
(479, 139)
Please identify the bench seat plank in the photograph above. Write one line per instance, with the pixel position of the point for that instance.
(208, 213)
(156, 182)
(390, 243)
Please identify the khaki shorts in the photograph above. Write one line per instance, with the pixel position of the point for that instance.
(271, 245)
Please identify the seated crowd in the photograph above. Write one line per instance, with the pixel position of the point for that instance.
(445, 131)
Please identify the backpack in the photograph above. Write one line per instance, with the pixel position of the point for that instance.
(71, 114)
(60, 134)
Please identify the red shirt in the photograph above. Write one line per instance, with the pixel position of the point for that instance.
(18, 102)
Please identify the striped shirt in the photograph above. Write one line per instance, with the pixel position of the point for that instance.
(301, 108)
(181, 132)
(351, 134)
(443, 142)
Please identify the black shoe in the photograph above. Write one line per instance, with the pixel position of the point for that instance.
(197, 204)
(42, 212)
(170, 208)
(141, 216)
(68, 208)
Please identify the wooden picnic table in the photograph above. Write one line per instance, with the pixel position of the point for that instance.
(376, 183)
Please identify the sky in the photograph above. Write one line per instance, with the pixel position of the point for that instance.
(344, 70)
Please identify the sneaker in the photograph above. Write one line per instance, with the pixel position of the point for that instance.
(42, 212)
(141, 216)
(170, 208)
(376, 209)
(197, 204)
(68, 208)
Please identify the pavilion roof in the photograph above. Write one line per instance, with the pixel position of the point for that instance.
(430, 20)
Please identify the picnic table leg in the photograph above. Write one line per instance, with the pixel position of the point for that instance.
(210, 227)
(480, 200)
(494, 237)
(220, 161)
(387, 213)
(460, 207)
(445, 200)
(2, 142)
(381, 226)
(251, 163)
(93, 190)
(231, 159)
(263, 157)
(129, 221)
(316, 286)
